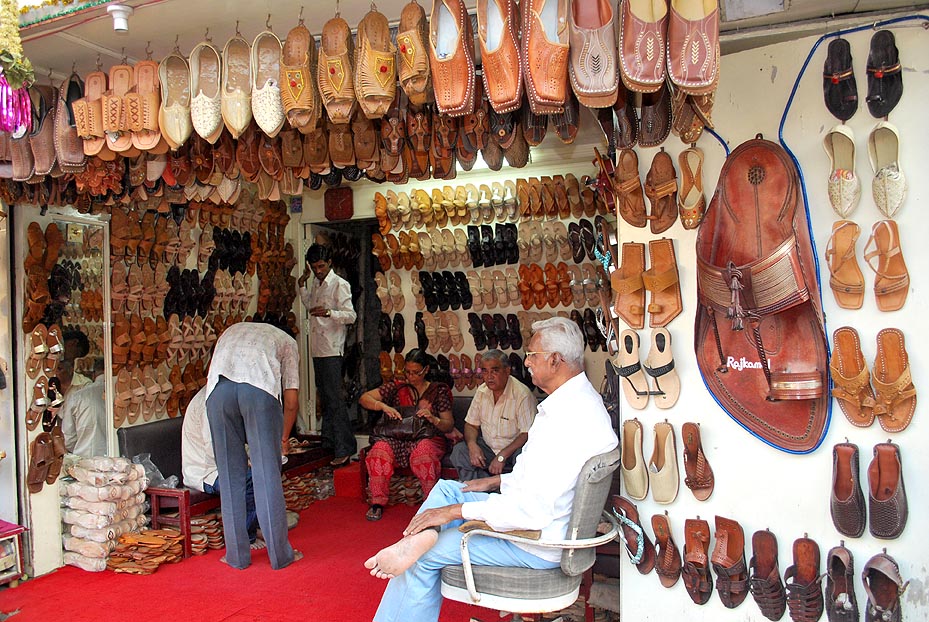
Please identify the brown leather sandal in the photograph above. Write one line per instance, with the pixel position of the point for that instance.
(884, 586)
(698, 473)
(765, 583)
(668, 564)
(892, 280)
(893, 382)
(851, 378)
(729, 563)
(663, 282)
(804, 583)
(639, 547)
(661, 190)
(628, 186)
(845, 278)
(629, 287)
(696, 568)
(691, 202)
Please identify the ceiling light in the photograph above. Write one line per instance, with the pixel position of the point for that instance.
(120, 13)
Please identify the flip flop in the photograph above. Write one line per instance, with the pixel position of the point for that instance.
(374, 513)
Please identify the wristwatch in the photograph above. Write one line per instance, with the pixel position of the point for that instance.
(500, 458)
(328, 312)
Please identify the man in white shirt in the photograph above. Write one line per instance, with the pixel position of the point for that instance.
(198, 463)
(571, 427)
(328, 300)
(497, 424)
(83, 418)
(252, 398)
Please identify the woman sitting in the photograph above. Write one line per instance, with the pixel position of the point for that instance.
(431, 400)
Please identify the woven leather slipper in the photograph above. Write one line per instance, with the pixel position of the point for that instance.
(668, 560)
(851, 378)
(893, 383)
(840, 585)
(885, 77)
(840, 89)
(892, 279)
(765, 577)
(804, 583)
(698, 473)
(845, 278)
(375, 74)
(847, 505)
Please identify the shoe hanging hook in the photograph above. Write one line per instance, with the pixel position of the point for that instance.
(177, 48)
(237, 33)
(148, 50)
(268, 22)
(50, 82)
(73, 65)
(337, 12)
(125, 60)
(206, 35)
(300, 17)
(99, 66)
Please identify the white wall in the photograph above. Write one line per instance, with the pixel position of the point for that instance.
(755, 484)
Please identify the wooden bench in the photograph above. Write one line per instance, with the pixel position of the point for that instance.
(162, 439)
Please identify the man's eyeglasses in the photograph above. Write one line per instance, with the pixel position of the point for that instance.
(528, 354)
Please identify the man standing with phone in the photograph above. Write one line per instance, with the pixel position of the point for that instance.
(329, 302)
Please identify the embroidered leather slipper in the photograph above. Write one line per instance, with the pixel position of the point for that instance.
(628, 285)
(498, 24)
(639, 547)
(593, 64)
(205, 83)
(840, 89)
(668, 559)
(375, 74)
(884, 587)
(412, 57)
(660, 366)
(844, 185)
(889, 184)
(765, 577)
(729, 563)
(804, 583)
(892, 279)
(122, 79)
(698, 473)
(236, 93)
(693, 46)
(635, 475)
(174, 113)
(655, 124)
(691, 202)
(661, 190)
(851, 378)
(845, 278)
(696, 569)
(299, 94)
(544, 54)
(642, 28)
(893, 382)
(635, 386)
(266, 90)
(662, 281)
(885, 77)
(336, 70)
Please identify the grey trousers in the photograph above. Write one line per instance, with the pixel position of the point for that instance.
(461, 460)
(240, 413)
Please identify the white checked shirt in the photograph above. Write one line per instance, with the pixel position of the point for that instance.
(503, 421)
(198, 463)
(327, 334)
(571, 427)
(257, 354)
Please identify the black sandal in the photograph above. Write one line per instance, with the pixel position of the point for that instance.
(375, 512)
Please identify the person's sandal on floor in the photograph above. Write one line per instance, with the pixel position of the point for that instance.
(375, 512)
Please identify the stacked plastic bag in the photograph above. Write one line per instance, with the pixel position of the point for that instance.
(106, 500)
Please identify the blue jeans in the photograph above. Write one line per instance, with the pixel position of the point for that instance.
(415, 596)
(337, 429)
(251, 516)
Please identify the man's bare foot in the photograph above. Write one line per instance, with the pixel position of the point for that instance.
(257, 545)
(398, 557)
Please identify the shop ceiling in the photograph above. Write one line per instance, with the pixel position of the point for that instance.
(86, 35)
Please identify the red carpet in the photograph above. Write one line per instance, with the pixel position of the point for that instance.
(329, 584)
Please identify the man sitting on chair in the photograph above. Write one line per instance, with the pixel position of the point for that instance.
(497, 424)
(571, 427)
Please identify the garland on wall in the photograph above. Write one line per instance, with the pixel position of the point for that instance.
(15, 72)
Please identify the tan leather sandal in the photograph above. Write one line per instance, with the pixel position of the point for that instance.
(845, 278)
(662, 281)
(850, 378)
(661, 190)
(412, 57)
(375, 74)
(629, 288)
(892, 280)
(893, 382)
(691, 202)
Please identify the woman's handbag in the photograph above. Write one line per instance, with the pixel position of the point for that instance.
(410, 427)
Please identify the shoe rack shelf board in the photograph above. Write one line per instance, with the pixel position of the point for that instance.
(40, 512)
(757, 485)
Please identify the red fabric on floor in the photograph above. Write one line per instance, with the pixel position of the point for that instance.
(330, 584)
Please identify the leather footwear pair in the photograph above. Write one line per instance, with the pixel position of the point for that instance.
(266, 90)
(765, 576)
(845, 278)
(498, 24)
(299, 94)
(593, 68)
(205, 83)
(335, 70)
(884, 587)
(841, 602)
(236, 96)
(729, 563)
(545, 53)
(631, 281)
(697, 471)
(375, 74)
(659, 365)
(174, 113)
(412, 57)
(451, 57)
(844, 185)
(804, 582)
(887, 504)
(846, 505)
